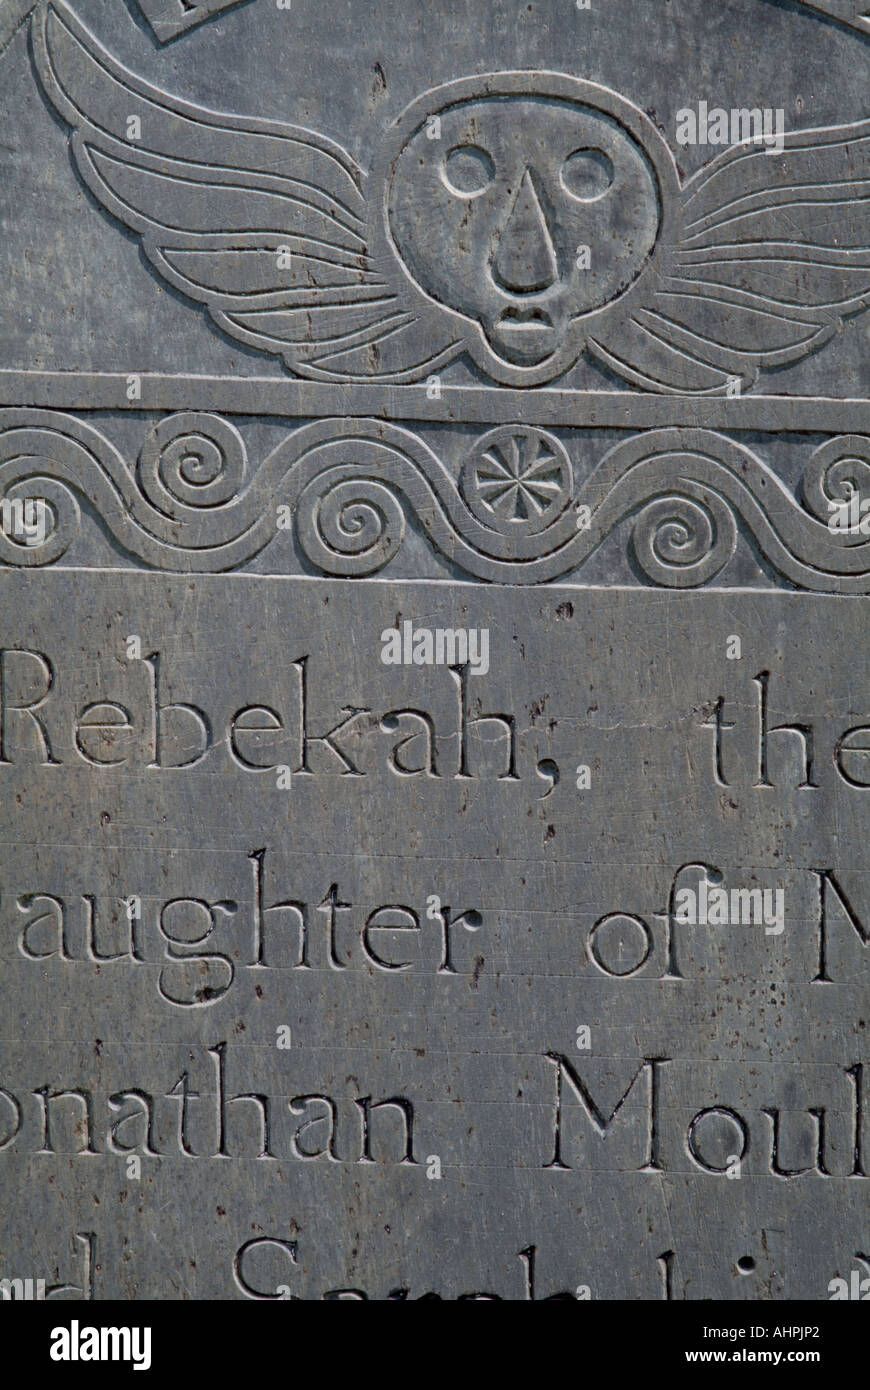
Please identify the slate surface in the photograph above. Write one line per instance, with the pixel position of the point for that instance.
(418, 584)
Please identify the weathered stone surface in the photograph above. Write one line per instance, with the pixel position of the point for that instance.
(406, 622)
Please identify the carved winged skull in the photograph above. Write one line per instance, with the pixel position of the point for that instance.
(521, 218)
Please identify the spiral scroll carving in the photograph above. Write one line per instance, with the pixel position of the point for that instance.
(683, 542)
(837, 473)
(191, 460)
(347, 525)
(515, 515)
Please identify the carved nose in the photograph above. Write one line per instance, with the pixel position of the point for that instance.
(525, 261)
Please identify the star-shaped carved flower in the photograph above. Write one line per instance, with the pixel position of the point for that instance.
(517, 479)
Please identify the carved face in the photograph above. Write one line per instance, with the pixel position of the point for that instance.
(524, 213)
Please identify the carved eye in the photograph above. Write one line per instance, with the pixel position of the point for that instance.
(468, 170)
(587, 175)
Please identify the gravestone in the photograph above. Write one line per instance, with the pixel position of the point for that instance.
(434, 703)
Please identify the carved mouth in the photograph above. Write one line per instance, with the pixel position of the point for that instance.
(523, 323)
(524, 336)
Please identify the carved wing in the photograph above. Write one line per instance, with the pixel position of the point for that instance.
(773, 251)
(264, 223)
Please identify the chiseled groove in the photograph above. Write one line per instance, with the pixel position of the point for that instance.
(663, 463)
